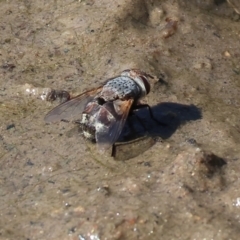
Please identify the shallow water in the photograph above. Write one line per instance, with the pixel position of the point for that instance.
(55, 185)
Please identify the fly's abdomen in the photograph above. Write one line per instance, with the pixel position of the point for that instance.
(87, 126)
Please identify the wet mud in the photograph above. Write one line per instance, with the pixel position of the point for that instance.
(54, 184)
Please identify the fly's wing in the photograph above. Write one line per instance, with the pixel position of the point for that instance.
(110, 122)
(72, 109)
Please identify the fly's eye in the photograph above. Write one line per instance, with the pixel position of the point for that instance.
(146, 84)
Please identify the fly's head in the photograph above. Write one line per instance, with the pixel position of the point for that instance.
(141, 78)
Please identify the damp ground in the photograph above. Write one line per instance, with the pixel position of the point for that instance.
(55, 184)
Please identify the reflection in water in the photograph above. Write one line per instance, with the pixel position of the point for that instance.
(126, 150)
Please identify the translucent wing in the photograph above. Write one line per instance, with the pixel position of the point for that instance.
(72, 109)
(110, 122)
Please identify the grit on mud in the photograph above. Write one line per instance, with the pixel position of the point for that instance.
(55, 184)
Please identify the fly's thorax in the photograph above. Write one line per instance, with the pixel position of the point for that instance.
(140, 78)
(120, 87)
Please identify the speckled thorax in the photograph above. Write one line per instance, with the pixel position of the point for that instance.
(121, 87)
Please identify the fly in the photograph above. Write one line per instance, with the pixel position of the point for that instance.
(103, 111)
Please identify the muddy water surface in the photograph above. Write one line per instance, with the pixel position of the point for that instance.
(55, 185)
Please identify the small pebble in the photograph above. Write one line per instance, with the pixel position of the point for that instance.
(155, 17)
(10, 126)
(227, 54)
(191, 141)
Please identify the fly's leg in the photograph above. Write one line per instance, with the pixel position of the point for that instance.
(150, 112)
(133, 132)
(140, 121)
